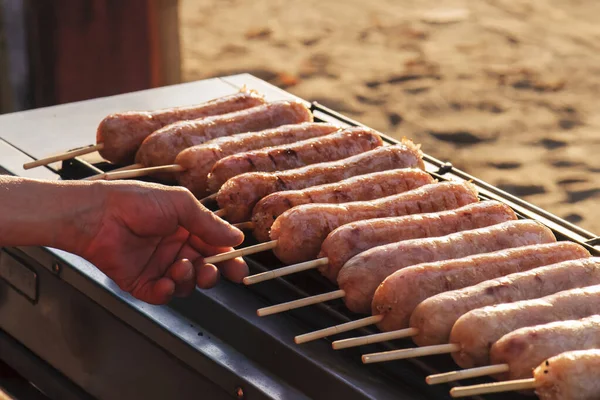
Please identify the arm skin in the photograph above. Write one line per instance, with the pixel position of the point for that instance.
(150, 239)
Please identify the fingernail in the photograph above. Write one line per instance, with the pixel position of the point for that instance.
(190, 269)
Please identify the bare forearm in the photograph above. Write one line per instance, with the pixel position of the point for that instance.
(44, 213)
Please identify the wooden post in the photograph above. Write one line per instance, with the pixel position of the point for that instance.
(91, 48)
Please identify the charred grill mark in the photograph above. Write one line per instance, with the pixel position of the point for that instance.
(290, 152)
(216, 152)
(273, 162)
(249, 160)
(281, 185)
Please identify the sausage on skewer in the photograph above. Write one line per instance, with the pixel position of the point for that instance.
(522, 350)
(123, 133)
(571, 375)
(335, 146)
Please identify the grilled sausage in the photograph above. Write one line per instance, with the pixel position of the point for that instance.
(351, 239)
(123, 133)
(572, 375)
(435, 316)
(163, 146)
(300, 231)
(525, 348)
(358, 188)
(397, 298)
(336, 146)
(477, 330)
(199, 160)
(239, 195)
(361, 275)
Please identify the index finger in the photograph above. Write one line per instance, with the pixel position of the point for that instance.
(203, 223)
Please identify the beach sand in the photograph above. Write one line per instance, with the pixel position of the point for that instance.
(506, 90)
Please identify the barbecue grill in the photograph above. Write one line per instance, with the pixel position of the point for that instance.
(73, 334)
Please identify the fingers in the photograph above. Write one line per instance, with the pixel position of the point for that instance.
(183, 275)
(200, 221)
(235, 270)
(157, 292)
(207, 275)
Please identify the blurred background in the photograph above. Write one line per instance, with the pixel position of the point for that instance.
(504, 89)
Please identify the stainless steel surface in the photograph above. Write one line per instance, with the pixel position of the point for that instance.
(18, 275)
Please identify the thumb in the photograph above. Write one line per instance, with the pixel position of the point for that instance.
(201, 222)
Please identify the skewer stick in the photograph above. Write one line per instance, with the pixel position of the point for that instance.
(291, 305)
(276, 273)
(245, 225)
(135, 173)
(63, 156)
(466, 374)
(220, 213)
(103, 176)
(348, 326)
(208, 199)
(241, 252)
(128, 167)
(409, 353)
(375, 338)
(496, 387)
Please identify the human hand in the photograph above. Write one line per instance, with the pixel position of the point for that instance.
(151, 239)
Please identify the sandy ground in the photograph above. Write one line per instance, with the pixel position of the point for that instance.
(507, 90)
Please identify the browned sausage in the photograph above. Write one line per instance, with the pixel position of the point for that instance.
(336, 146)
(399, 294)
(239, 195)
(572, 375)
(361, 275)
(300, 231)
(435, 316)
(123, 133)
(477, 330)
(522, 350)
(351, 239)
(162, 146)
(199, 160)
(359, 188)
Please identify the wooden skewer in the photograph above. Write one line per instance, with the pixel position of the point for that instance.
(63, 156)
(276, 273)
(466, 374)
(245, 225)
(135, 173)
(496, 387)
(220, 213)
(208, 199)
(103, 176)
(375, 338)
(410, 353)
(241, 252)
(348, 326)
(291, 305)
